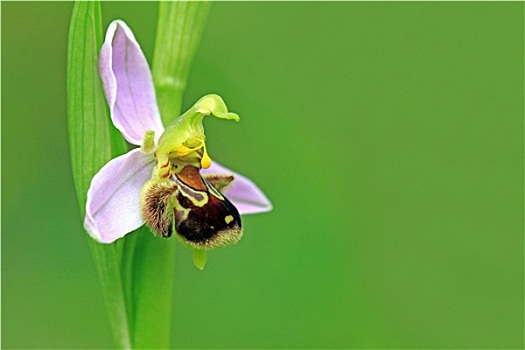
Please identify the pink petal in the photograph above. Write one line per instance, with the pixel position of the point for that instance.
(128, 84)
(244, 194)
(113, 199)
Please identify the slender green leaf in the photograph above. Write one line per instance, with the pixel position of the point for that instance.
(90, 145)
(87, 113)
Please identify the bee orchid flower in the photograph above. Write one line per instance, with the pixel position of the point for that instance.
(169, 181)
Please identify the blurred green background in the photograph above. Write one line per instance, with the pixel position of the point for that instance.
(389, 137)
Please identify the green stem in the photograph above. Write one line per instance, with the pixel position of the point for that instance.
(152, 266)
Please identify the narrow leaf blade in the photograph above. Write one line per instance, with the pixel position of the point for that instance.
(179, 31)
(91, 148)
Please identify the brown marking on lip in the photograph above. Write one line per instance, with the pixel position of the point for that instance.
(190, 176)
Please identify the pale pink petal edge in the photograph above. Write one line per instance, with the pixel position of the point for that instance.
(113, 199)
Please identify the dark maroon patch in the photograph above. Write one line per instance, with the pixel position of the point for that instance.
(205, 223)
